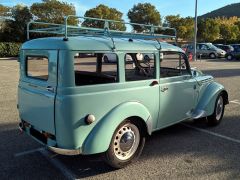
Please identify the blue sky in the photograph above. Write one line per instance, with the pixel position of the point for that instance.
(165, 7)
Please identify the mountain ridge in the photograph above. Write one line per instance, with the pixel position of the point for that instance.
(226, 11)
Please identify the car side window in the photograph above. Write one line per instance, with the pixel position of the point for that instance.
(139, 66)
(92, 68)
(204, 47)
(173, 64)
(37, 67)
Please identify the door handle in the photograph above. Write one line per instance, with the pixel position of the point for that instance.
(50, 89)
(32, 85)
(163, 89)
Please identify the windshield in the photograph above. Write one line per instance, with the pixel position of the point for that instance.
(213, 47)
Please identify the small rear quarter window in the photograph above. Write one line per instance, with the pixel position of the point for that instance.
(37, 67)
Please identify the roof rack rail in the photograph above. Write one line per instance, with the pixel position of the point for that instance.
(69, 30)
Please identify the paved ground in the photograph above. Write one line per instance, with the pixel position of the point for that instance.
(184, 151)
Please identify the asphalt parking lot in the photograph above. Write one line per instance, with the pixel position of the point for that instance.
(189, 150)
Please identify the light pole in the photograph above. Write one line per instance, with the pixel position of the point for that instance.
(195, 32)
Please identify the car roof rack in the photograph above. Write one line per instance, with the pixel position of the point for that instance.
(66, 30)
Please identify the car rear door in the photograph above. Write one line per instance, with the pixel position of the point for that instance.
(37, 88)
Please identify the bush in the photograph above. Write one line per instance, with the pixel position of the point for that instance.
(9, 49)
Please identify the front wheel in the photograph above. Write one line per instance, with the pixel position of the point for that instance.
(213, 56)
(229, 57)
(217, 115)
(126, 145)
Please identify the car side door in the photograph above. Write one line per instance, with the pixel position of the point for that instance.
(177, 89)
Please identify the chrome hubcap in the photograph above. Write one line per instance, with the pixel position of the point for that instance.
(219, 108)
(126, 141)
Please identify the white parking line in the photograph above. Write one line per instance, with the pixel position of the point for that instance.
(63, 169)
(27, 152)
(66, 172)
(212, 133)
(235, 102)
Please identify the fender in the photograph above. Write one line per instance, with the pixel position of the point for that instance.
(207, 101)
(100, 137)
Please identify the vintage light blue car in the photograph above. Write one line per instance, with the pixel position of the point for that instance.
(73, 102)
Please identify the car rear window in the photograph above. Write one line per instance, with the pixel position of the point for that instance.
(37, 67)
(95, 68)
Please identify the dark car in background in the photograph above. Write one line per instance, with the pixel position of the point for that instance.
(226, 48)
(235, 54)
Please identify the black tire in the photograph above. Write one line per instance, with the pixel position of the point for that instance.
(111, 155)
(212, 56)
(105, 59)
(229, 57)
(216, 118)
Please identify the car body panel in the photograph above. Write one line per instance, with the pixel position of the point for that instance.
(169, 99)
(35, 102)
(208, 93)
(111, 103)
(235, 54)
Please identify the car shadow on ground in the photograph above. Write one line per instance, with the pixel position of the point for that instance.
(222, 73)
(176, 141)
(176, 146)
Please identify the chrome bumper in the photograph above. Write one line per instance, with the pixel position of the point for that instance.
(68, 152)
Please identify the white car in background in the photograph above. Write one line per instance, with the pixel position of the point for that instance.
(112, 58)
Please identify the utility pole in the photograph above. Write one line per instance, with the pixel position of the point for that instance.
(195, 32)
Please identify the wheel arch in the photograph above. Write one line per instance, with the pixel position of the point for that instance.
(207, 101)
(100, 137)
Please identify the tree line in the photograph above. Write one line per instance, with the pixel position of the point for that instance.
(224, 30)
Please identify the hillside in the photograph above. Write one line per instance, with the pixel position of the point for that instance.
(226, 11)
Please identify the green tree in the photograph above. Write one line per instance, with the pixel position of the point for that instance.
(4, 11)
(184, 26)
(229, 32)
(144, 13)
(104, 12)
(15, 29)
(208, 30)
(238, 25)
(53, 11)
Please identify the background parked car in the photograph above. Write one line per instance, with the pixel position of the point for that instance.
(112, 58)
(207, 50)
(235, 54)
(226, 48)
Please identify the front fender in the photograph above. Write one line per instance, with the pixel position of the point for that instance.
(100, 137)
(207, 101)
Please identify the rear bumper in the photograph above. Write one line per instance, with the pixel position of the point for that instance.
(50, 143)
(68, 152)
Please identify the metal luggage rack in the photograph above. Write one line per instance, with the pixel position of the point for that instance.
(69, 30)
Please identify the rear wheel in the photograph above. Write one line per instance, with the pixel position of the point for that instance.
(126, 145)
(212, 56)
(217, 115)
(229, 57)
